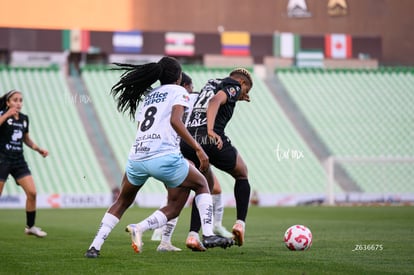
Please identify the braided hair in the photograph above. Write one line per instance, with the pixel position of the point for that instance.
(136, 81)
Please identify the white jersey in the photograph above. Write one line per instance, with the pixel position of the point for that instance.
(155, 135)
(193, 99)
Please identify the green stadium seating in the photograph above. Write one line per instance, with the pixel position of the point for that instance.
(72, 166)
(360, 113)
(354, 112)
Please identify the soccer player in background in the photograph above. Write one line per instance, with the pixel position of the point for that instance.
(14, 131)
(155, 153)
(212, 111)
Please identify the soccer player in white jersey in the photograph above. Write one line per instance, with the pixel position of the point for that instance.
(155, 153)
(164, 233)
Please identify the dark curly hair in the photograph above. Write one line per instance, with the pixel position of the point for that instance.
(136, 81)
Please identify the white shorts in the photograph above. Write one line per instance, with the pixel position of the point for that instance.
(171, 169)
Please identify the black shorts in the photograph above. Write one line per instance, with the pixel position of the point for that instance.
(18, 168)
(224, 159)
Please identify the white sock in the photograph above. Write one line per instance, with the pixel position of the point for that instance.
(168, 230)
(218, 209)
(159, 231)
(193, 234)
(155, 220)
(108, 223)
(204, 204)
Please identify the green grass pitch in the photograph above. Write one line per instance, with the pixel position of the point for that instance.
(346, 240)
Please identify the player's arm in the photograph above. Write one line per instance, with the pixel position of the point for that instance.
(213, 106)
(29, 142)
(178, 125)
(10, 112)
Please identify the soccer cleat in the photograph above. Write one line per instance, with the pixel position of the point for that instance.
(214, 241)
(156, 236)
(136, 237)
(238, 232)
(222, 231)
(193, 242)
(38, 232)
(92, 253)
(165, 247)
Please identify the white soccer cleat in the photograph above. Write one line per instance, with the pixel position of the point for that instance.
(136, 237)
(37, 231)
(222, 231)
(166, 247)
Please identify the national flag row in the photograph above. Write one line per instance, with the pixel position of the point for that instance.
(285, 45)
(336, 46)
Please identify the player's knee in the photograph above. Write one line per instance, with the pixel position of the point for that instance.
(201, 187)
(31, 195)
(240, 172)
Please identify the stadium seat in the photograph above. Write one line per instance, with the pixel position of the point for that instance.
(360, 113)
(72, 166)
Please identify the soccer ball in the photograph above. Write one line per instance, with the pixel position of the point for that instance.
(298, 237)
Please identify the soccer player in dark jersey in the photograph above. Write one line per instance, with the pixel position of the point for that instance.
(14, 131)
(218, 204)
(211, 113)
(164, 233)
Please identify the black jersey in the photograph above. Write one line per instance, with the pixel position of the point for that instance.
(198, 118)
(11, 135)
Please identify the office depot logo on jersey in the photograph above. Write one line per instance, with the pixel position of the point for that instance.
(155, 98)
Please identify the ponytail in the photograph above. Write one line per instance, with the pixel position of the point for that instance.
(136, 81)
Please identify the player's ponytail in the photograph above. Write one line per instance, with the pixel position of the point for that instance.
(136, 81)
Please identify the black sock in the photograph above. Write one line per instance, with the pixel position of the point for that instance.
(195, 223)
(30, 218)
(242, 196)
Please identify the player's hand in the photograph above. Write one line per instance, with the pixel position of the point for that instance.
(203, 158)
(43, 152)
(245, 97)
(12, 111)
(215, 138)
